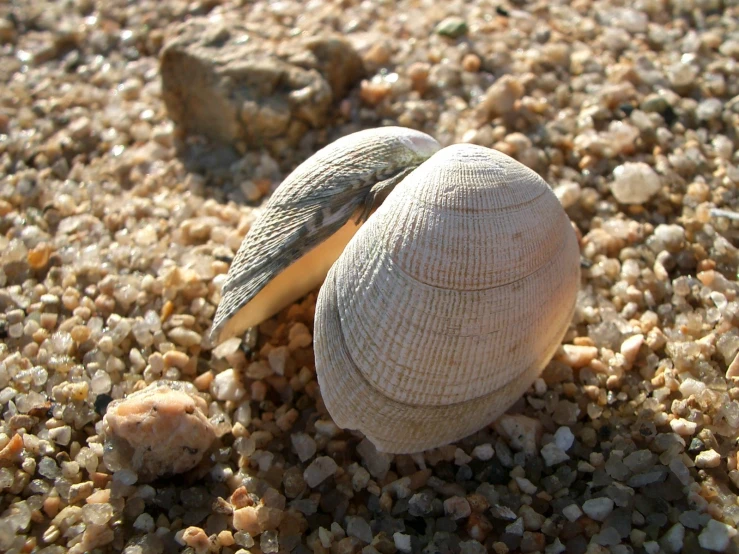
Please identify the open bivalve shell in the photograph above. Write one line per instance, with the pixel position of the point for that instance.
(446, 305)
(309, 219)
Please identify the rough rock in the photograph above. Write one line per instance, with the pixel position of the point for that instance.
(224, 82)
(160, 430)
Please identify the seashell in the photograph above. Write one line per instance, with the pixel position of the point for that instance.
(309, 219)
(446, 305)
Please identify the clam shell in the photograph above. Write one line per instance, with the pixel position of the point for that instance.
(444, 308)
(308, 220)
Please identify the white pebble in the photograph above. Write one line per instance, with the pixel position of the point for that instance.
(683, 427)
(515, 528)
(716, 536)
(572, 512)
(564, 439)
(630, 347)
(708, 458)
(634, 183)
(227, 386)
(553, 454)
(144, 523)
(568, 194)
(227, 347)
(673, 538)
(598, 508)
(278, 358)
(525, 485)
(461, 457)
(691, 386)
(483, 452)
(402, 542)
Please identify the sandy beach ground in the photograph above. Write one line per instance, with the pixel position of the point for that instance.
(117, 227)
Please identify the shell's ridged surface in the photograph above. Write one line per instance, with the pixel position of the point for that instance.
(313, 203)
(446, 305)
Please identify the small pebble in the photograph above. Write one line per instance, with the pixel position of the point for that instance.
(165, 430)
(716, 536)
(319, 470)
(457, 507)
(708, 459)
(598, 508)
(635, 183)
(402, 542)
(572, 512)
(452, 27)
(483, 452)
(683, 426)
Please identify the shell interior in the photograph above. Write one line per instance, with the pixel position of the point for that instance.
(308, 221)
(293, 283)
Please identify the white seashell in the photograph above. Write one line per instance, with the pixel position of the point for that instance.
(309, 219)
(446, 305)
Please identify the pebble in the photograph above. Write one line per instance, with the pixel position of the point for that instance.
(522, 432)
(709, 109)
(457, 507)
(553, 454)
(483, 452)
(568, 194)
(471, 63)
(319, 470)
(708, 459)
(682, 75)
(452, 27)
(669, 237)
(304, 445)
(278, 359)
(716, 536)
(634, 183)
(164, 430)
(377, 463)
(683, 426)
(184, 337)
(500, 97)
(672, 540)
(577, 356)
(516, 528)
(227, 386)
(359, 528)
(195, 538)
(598, 508)
(402, 541)
(630, 347)
(572, 512)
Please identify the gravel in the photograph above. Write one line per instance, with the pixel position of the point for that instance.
(118, 229)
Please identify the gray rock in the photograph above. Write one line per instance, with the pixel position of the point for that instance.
(319, 470)
(359, 528)
(452, 27)
(228, 84)
(377, 463)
